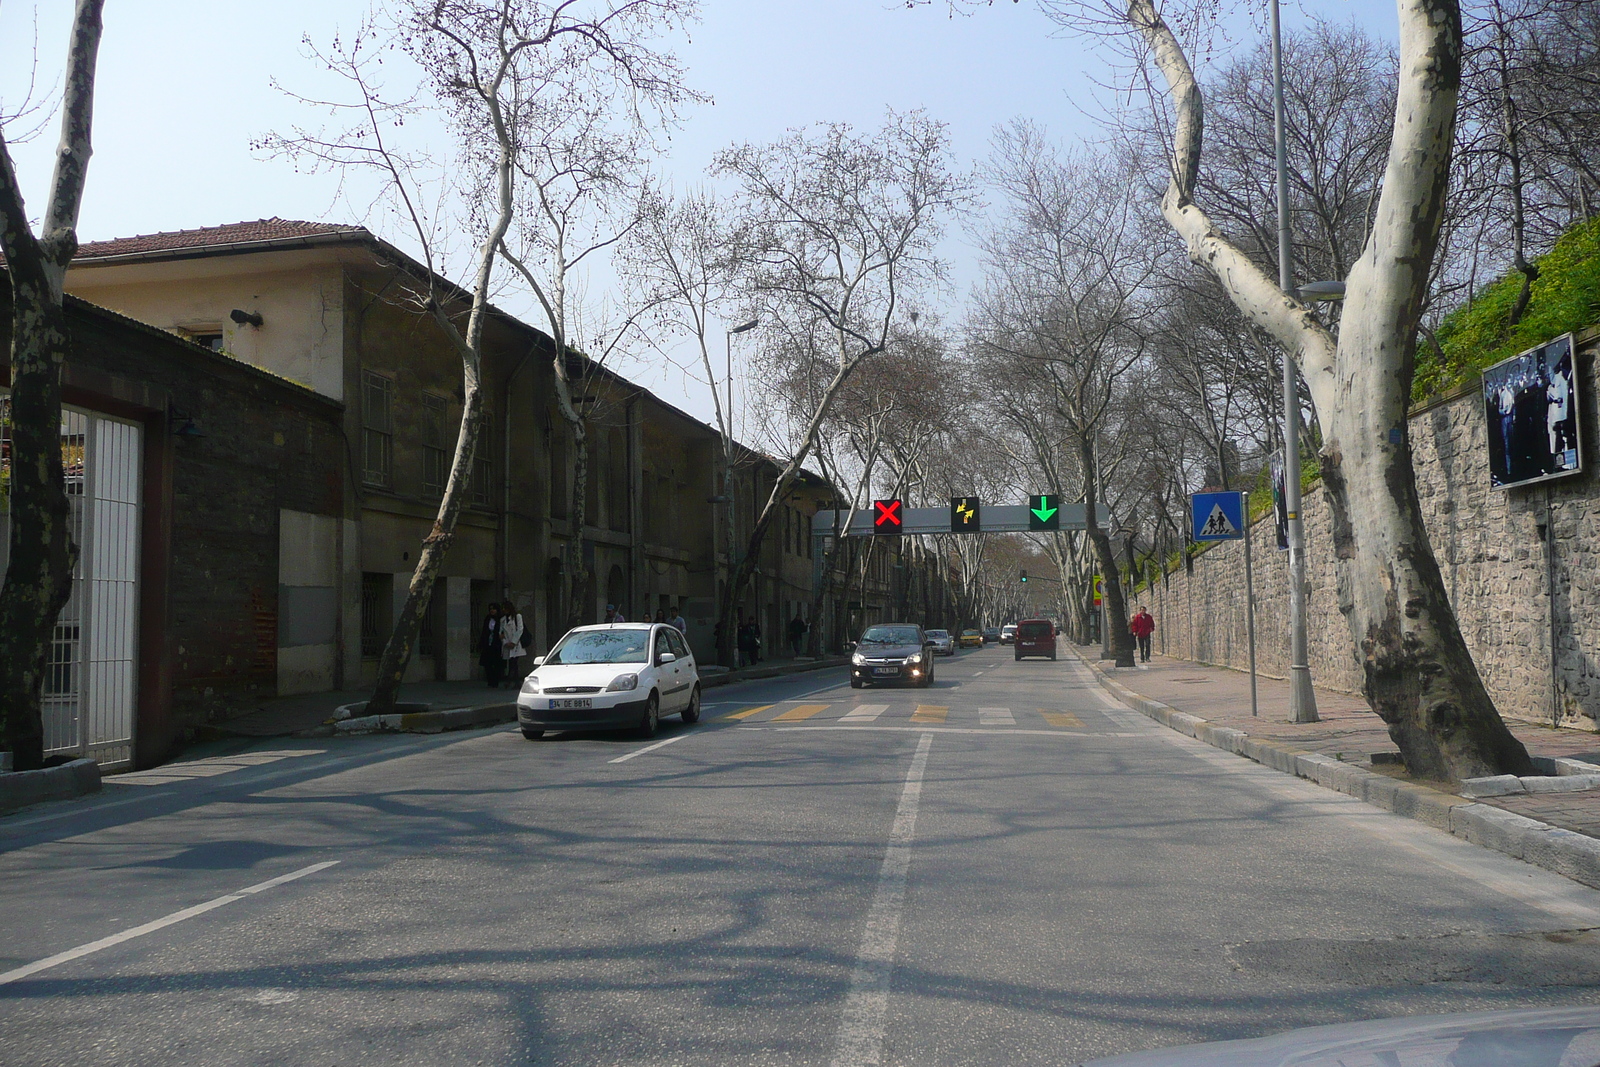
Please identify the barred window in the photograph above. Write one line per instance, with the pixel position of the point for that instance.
(377, 606)
(435, 457)
(377, 429)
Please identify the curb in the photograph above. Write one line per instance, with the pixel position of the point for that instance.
(419, 722)
(19, 789)
(1572, 855)
(751, 674)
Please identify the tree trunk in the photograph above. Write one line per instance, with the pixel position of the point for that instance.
(397, 651)
(1121, 641)
(579, 613)
(38, 578)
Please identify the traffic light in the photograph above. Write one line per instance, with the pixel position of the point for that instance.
(887, 516)
(1044, 512)
(963, 514)
(1024, 578)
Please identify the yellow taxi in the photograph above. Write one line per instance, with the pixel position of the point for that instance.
(971, 639)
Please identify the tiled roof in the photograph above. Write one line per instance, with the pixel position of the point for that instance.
(273, 229)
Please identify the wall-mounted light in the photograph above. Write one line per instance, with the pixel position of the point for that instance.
(183, 425)
(246, 318)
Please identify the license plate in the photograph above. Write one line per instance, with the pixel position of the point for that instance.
(886, 670)
(570, 703)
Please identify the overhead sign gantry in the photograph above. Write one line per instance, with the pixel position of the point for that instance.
(966, 514)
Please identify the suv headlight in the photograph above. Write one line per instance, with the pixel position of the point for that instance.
(914, 660)
(622, 683)
(530, 684)
(858, 659)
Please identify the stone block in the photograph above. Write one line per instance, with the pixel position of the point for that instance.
(1185, 723)
(1425, 805)
(1570, 783)
(1498, 785)
(1491, 827)
(1572, 855)
(1564, 765)
(1380, 791)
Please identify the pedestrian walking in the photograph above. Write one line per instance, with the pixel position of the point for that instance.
(797, 632)
(746, 639)
(678, 622)
(661, 616)
(1142, 626)
(490, 657)
(514, 641)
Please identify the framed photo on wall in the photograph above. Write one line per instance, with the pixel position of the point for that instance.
(1530, 402)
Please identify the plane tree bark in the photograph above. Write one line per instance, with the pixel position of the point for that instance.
(38, 579)
(1419, 676)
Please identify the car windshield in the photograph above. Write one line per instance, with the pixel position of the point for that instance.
(970, 633)
(938, 633)
(890, 635)
(600, 646)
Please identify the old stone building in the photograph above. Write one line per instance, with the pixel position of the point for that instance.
(205, 493)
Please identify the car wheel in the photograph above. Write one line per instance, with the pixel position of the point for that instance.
(691, 714)
(927, 679)
(855, 683)
(532, 735)
(652, 717)
(1019, 657)
(1052, 657)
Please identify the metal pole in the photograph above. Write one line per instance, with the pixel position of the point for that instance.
(1302, 699)
(1249, 601)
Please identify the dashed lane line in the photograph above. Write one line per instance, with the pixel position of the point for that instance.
(158, 924)
(647, 748)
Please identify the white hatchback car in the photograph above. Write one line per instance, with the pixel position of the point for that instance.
(611, 677)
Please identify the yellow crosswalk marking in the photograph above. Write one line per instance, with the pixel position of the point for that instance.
(747, 712)
(929, 713)
(801, 711)
(1062, 718)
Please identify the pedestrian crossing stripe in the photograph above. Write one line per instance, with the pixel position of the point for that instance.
(747, 712)
(865, 713)
(1218, 524)
(802, 711)
(1064, 719)
(929, 713)
(996, 717)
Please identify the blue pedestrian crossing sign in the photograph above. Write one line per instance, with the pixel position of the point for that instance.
(1217, 516)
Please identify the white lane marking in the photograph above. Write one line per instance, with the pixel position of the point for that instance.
(158, 924)
(996, 717)
(865, 713)
(860, 1038)
(647, 748)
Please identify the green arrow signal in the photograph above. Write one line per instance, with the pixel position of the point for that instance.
(1043, 512)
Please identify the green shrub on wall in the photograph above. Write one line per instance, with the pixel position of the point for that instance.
(1565, 297)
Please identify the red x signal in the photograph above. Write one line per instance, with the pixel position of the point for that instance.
(887, 516)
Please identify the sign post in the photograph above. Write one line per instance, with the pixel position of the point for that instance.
(1226, 517)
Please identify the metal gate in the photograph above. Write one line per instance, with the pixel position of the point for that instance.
(90, 690)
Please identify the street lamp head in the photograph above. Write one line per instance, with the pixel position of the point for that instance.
(752, 324)
(1318, 292)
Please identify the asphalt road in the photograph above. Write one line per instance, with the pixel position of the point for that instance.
(1007, 868)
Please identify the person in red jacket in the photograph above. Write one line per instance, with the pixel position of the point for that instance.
(1142, 626)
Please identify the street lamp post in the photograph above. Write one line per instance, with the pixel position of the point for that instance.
(1302, 698)
(729, 518)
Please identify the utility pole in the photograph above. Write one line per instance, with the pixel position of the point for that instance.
(1302, 698)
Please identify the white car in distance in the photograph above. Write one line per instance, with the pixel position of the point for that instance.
(622, 676)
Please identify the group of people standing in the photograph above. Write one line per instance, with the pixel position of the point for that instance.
(502, 641)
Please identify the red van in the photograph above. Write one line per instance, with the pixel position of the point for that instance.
(1036, 637)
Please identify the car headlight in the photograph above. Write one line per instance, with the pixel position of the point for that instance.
(914, 660)
(858, 659)
(622, 683)
(530, 684)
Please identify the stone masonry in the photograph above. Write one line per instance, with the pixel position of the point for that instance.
(1522, 567)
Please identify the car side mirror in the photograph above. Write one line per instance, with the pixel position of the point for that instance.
(849, 646)
(538, 661)
(666, 657)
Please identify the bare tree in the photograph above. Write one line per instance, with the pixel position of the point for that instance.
(1420, 677)
(38, 579)
(837, 228)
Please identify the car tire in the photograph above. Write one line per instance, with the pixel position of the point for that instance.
(533, 735)
(927, 679)
(651, 722)
(1052, 657)
(1019, 657)
(691, 712)
(855, 683)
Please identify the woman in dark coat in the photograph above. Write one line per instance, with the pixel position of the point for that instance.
(490, 655)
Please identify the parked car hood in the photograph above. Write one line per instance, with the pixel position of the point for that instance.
(1541, 1037)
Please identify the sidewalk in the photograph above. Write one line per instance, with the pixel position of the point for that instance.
(1349, 732)
(286, 716)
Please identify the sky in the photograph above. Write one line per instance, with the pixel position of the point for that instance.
(185, 86)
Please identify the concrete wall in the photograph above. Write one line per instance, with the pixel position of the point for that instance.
(1528, 604)
(308, 601)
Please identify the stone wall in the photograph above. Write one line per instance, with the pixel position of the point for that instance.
(1539, 653)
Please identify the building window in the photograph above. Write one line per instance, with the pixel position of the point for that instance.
(483, 464)
(435, 457)
(377, 605)
(377, 429)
